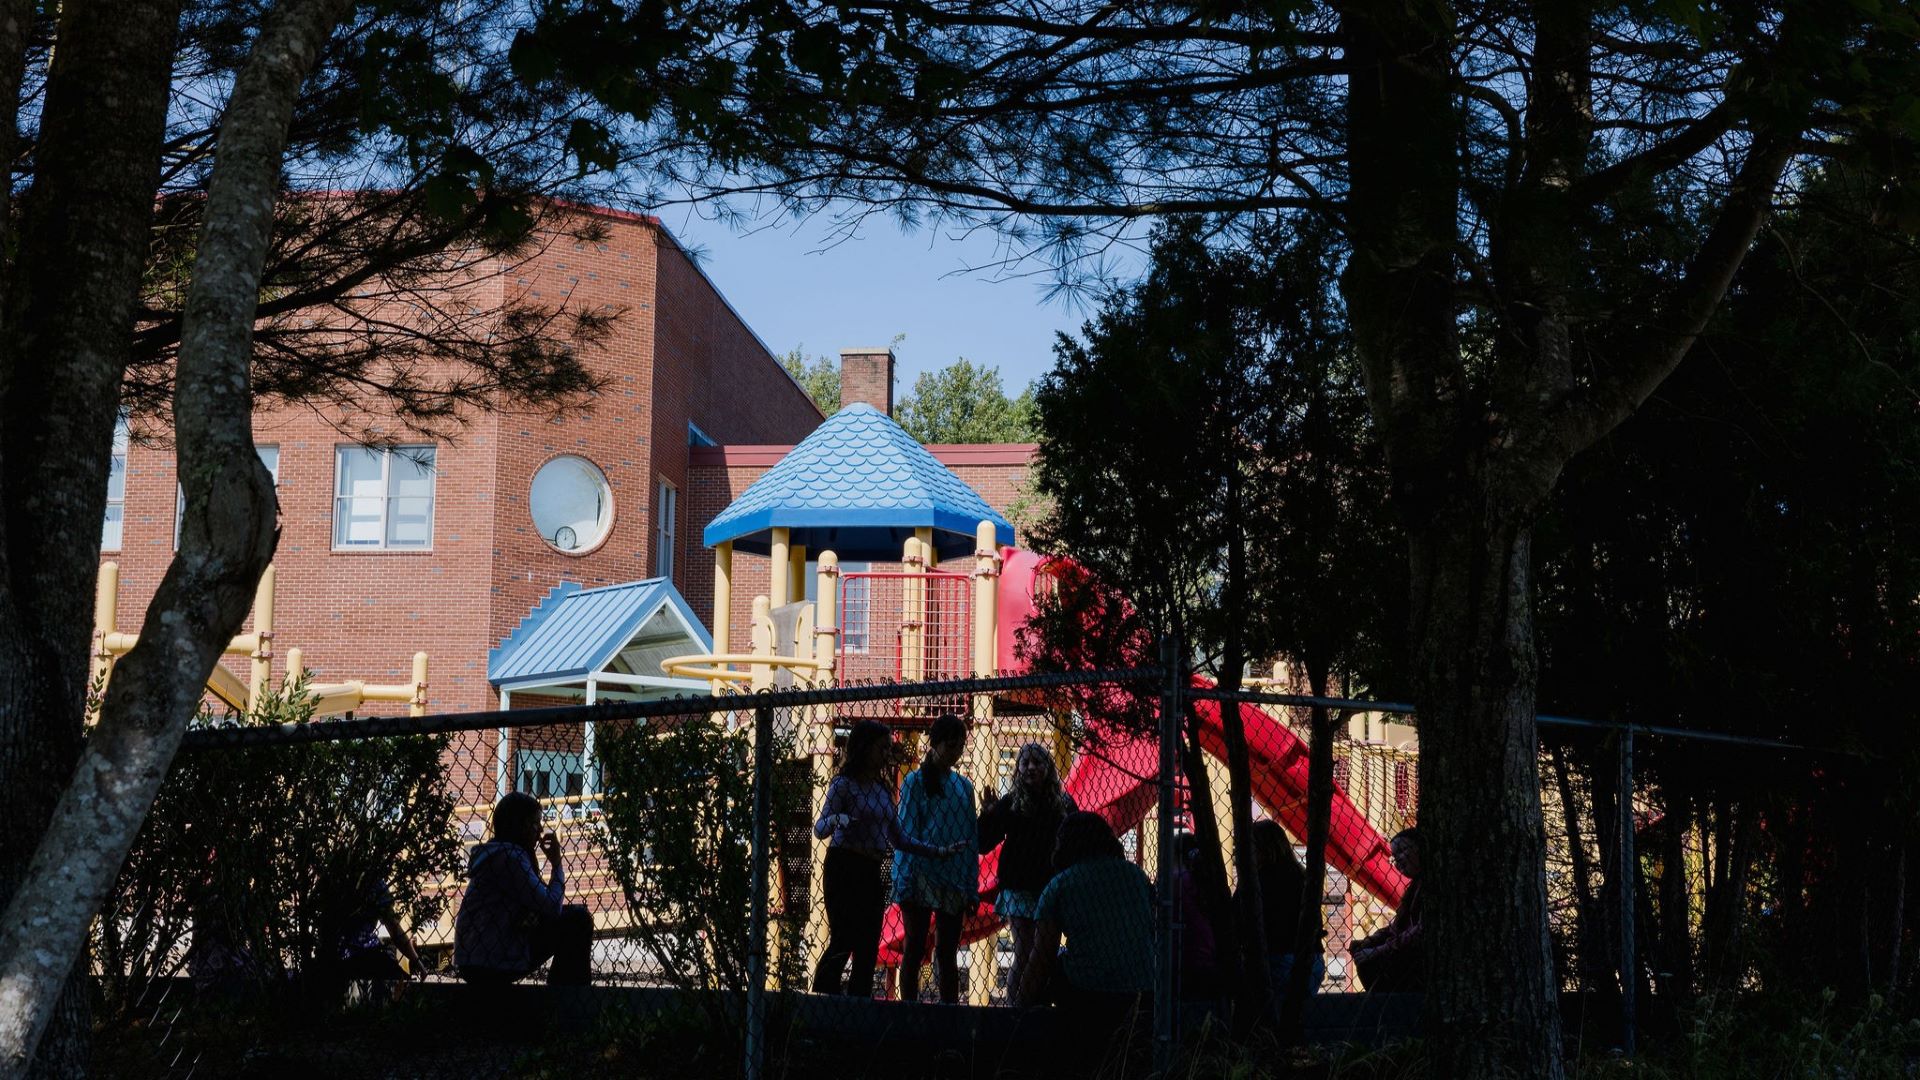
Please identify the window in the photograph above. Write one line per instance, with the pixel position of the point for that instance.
(696, 437)
(666, 513)
(550, 774)
(856, 601)
(383, 498)
(113, 527)
(269, 456)
(571, 503)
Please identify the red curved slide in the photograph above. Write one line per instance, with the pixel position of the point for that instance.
(1118, 780)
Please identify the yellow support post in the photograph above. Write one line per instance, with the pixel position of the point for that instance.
(723, 597)
(913, 611)
(295, 662)
(763, 635)
(418, 706)
(262, 652)
(778, 553)
(984, 744)
(106, 606)
(826, 623)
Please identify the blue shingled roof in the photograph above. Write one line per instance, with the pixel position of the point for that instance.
(575, 632)
(858, 486)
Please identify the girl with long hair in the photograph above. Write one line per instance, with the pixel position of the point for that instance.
(859, 817)
(1023, 824)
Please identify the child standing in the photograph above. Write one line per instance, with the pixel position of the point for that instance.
(937, 804)
(859, 816)
(1026, 819)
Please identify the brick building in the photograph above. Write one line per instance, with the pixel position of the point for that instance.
(446, 546)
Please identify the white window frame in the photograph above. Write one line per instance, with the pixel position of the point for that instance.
(113, 539)
(424, 450)
(666, 518)
(854, 618)
(180, 491)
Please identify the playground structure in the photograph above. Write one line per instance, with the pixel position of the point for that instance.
(860, 489)
(327, 699)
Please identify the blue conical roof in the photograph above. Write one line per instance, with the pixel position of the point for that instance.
(858, 486)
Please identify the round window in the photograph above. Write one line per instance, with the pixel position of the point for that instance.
(571, 503)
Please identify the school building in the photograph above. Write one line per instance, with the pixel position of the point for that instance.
(447, 546)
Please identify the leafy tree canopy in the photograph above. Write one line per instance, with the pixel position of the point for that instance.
(819, 377)
(965, 402)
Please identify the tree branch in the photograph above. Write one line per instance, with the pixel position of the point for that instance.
(1587, 414)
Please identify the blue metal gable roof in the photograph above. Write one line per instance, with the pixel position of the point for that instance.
(858, 486)
(575, 632)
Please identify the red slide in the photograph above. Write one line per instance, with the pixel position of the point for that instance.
(1118, 779)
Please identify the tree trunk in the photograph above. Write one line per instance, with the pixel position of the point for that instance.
(1676, 938)
(1253, 992)
(1483, 845)
(227, 539)
(1308, 935)
(1591, 935)
(64, 336)
(1210, 874)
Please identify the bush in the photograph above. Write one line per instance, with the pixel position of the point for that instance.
(676, 828)
(269, 853)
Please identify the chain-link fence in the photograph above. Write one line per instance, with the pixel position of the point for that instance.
(790, 860)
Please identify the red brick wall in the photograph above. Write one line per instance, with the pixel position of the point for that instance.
(362, 615)
(713, 373)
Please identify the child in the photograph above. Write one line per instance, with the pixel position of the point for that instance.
(937, 803)
(1025, 821)
(510, 921)
(859, 816)
(1104, 906)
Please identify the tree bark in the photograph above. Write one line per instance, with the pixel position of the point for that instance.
(1483, 842)
(1309, 932)
(1254, 993)
(64, 336)
(1676, 938)
(227, 539)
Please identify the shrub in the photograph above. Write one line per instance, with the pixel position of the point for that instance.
(272, 851)
(676, 828)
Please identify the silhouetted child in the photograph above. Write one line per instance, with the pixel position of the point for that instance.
(860, 818)
(937, 805)
(1103, 904)
(510, 921)
(1391, 958)
(1282, 885)
(1023, 824)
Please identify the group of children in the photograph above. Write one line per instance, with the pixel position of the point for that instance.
(1061, 872)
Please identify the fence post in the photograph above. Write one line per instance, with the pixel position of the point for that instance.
(1165, 997)
(1629, 979)
(757, 910)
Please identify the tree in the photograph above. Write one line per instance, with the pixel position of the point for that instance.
(965, 403)
(820, 378)
(132, 156)
(1203, 455)
(1479, 159)
(1744, 546)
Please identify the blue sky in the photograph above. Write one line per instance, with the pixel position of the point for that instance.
(794, 286)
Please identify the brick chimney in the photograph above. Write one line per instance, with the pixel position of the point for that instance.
(867, 375)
